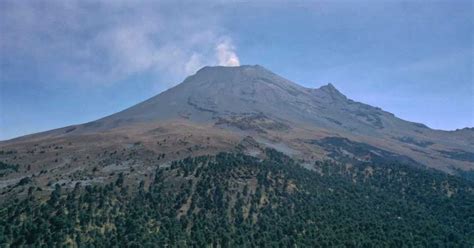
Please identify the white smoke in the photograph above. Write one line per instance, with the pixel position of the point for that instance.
(225, 52)
(118, 40)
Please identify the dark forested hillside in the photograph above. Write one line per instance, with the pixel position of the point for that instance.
(236, 200)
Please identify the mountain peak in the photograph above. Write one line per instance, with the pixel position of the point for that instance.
(332, 91)
(239, 77)
(329, 86)
(221, 90)
(221, 68)
(228, 72)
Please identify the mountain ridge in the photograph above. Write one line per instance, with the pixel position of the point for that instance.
(328, 88)
(223, 78)
(232, 103)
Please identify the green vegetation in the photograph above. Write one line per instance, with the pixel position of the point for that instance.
(6, 169)
(235, 200)
(458, 155)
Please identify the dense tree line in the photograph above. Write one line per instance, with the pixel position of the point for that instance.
(233, 200)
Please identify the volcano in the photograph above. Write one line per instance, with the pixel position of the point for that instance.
(248, 108)
(239, 157)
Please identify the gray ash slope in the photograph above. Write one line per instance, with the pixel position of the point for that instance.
(254, 94)
(226, 91)
(223, 91)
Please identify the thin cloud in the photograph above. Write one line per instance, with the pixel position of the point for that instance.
(92, 43)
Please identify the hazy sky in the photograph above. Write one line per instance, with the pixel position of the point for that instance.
(69, 62)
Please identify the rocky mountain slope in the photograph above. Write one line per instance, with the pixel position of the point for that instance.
(245, 109)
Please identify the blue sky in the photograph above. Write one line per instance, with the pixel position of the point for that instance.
(69, 62)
